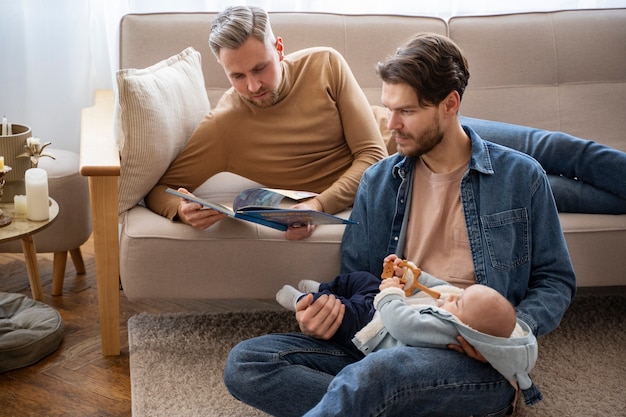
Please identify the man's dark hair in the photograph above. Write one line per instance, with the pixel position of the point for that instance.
(432, 64)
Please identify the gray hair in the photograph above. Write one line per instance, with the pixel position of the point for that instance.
(236, 24)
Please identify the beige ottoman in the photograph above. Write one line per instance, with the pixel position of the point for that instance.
(72, 226)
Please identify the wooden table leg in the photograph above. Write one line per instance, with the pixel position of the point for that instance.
(28, 247)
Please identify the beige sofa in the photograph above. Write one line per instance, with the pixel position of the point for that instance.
(560, 70)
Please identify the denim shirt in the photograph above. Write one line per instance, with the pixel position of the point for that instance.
(514, 232)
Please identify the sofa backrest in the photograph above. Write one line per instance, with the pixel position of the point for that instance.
(562, 70)
(362, 39)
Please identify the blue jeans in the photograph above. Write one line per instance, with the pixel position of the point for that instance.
(585, 176)
(294, 375)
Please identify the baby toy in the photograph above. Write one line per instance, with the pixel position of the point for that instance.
(409, 278)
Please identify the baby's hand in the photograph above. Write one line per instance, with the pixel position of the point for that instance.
(391, 266)
(391, 258)
(393, 282)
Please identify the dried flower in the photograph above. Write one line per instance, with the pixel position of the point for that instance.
(34, 151)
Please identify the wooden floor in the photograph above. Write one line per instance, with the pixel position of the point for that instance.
(77, 380)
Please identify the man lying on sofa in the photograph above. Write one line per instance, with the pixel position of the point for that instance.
(301, 121)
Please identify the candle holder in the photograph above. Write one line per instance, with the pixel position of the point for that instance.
(4, 219)
(34, 151)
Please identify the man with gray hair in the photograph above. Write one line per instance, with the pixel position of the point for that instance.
(298, 121)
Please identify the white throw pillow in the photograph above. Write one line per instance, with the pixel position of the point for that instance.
(158, 108)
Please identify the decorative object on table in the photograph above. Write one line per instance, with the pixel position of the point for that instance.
(4, 169)
(19, 202)
(7, 129)
(12, 144)
(34, 151)
(37, 194)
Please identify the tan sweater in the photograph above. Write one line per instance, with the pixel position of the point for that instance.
(320, 136)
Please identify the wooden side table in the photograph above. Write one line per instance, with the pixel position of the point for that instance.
(24, 229)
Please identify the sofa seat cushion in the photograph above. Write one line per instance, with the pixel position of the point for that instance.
(591, 237)
(160, 258)
(29, 331)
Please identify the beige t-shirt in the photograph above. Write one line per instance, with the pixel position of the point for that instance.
(436, 235)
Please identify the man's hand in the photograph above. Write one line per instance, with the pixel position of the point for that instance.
(299, 232)
(197, 215)
(468, 349)
(322, 318)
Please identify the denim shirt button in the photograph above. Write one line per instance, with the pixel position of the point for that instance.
(395, 238)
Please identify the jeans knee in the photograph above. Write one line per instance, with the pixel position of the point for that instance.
(232, 370)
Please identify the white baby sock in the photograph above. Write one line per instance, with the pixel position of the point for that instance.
(308, 285)
(288, 296)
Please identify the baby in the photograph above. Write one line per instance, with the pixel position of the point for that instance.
(478, 306)
(481, 315)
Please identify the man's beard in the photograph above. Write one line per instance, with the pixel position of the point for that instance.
(428, 141)
(268, 101)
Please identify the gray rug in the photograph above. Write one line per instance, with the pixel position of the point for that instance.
(176, 361)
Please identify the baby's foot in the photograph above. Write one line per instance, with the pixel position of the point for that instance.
(308, 285)
(288, 296)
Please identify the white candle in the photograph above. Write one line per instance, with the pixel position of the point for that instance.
(1, 163)
(37, 194)
(4, 126)
(20, 204)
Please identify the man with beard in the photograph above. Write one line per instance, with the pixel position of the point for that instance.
(298, 121)
(464, 209)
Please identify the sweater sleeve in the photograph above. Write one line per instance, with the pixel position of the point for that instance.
(361, 133)
(201, 158)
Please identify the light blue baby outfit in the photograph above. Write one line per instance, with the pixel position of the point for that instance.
(396, 324)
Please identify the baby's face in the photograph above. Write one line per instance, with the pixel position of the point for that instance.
(453, 303)
(483, 309)
(465, 306)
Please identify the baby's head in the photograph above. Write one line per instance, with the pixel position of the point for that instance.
(483, 309)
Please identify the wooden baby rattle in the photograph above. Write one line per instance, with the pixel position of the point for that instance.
(409, 278)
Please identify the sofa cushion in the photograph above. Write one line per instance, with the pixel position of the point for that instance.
(158, 108)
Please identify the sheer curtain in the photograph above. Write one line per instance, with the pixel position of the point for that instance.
(55, 54)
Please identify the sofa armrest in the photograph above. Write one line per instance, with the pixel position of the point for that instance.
(99, 154)
(100, 162)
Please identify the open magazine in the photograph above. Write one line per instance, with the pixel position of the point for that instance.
(266, 206)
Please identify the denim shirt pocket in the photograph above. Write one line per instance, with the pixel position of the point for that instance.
(506, 234)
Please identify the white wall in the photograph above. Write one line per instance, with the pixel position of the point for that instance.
(55, 54)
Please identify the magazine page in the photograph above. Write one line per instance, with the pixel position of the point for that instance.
(268, 197)
(208, 204)
(293, 217)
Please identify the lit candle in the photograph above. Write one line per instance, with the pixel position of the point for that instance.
(20, 204)
(1, 163)
(37, 194)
